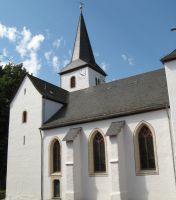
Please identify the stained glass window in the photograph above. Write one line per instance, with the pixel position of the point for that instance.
(56, 157)
(99, 153)
(146, 149)
(56, 188)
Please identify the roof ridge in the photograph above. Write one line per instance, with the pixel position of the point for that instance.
(31, 76)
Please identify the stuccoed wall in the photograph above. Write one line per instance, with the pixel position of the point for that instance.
(23, 172)
(132, 187)
(82, 81)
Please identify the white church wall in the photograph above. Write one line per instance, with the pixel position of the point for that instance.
(82, 79)
(50, 108)
(159, 186)
(23, 172)
(93, 75)
(132, 187)
(170, 69)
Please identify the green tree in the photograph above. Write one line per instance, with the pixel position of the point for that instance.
(11, 77)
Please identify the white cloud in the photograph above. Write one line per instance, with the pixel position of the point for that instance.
(65, 62)
(129, 60)
(47, 55)
(104, 66)
(32, 64)
(9, 33)
(55, 63)
(35, 42)
(4, 52)
(59, 42)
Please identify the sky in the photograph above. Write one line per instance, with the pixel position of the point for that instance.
(128, 37)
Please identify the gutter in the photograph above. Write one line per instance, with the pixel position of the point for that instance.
(172, 142)
(41, 135)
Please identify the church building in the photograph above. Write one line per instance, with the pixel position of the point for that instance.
(92, 140)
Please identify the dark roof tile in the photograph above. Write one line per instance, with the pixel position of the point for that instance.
(140, 93)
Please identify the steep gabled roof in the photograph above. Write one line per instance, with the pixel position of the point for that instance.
(136, 94)
(82, 51)
(169, 57)
(49, 91)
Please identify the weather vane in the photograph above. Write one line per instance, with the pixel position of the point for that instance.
(81, 5)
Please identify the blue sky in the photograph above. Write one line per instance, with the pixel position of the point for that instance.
(128, 37)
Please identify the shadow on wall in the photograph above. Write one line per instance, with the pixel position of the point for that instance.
(132, 187)
(89, 187)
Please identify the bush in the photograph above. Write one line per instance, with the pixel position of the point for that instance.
(2, 194)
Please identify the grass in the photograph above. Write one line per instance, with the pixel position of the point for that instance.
(2, 194)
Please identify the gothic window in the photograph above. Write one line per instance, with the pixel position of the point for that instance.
(24, 117)
(56, 157)
(97, 157)
(56, 188)
(73, 82)
(145, 150)
(99, 153)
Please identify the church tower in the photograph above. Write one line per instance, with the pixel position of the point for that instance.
(82, 72)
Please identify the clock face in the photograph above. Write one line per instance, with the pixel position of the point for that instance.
(82, 72)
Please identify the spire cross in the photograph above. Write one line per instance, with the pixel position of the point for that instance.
(81, 5)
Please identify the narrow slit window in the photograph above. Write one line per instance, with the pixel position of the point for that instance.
(24, 117)
(73, 82)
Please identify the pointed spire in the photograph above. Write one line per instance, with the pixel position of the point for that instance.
(82, 47)
(82, 52)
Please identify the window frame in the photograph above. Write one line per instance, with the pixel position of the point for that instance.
(140, 171)
(92, 172)
(52, 187)
(51, 162)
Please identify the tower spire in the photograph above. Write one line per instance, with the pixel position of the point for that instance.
(82, 51)
(82, 47)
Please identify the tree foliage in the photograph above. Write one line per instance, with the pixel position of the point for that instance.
(11, 77)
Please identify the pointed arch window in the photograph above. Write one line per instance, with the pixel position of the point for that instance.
(97, 154)
(146, 161)
(73, 82)
(146, 149)
(55, 157)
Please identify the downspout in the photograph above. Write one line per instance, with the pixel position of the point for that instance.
(41, 135)
(172, 141)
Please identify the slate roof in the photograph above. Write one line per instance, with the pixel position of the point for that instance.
(72, 133)
(49, 91)
(169, 57)
(115, 128)
(82, 51)
(136, 94)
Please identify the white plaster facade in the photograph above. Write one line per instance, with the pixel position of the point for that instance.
(85, 77)
(120, 182)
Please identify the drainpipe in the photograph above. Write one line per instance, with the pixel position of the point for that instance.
(172, 141)
(41, 135)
